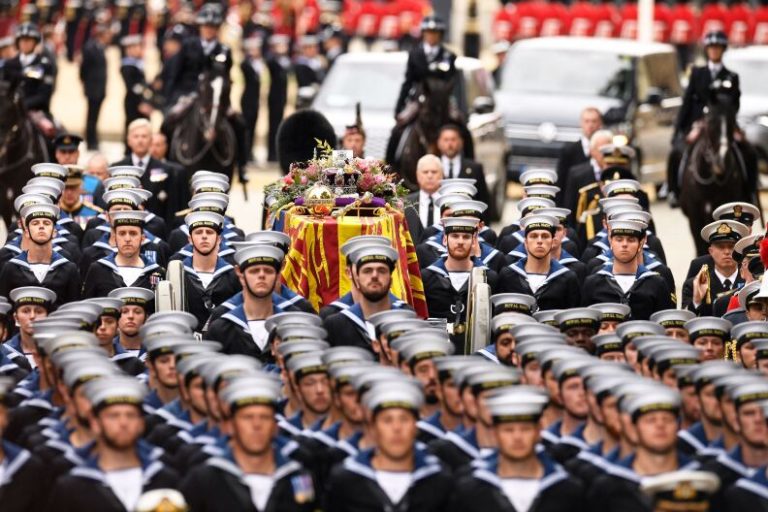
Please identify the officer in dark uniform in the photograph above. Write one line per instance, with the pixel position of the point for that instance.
(90, 486)
(429, 59)
(209, 280)
(40, 265)
(93, 74)
(625, 280)
(252, 68)
(496, 486)
(397, 473)
(269, 480)
(552, 284)
(198, 55)
(279, 65)
(71, 202)
(371, 271)
(696, 98)
(137, 92)
(127, 266)
(36, 74)
(702, 290)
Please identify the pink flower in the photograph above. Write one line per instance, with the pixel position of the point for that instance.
(288, 180)
(304, 180)
(379, 179)
(362, 164)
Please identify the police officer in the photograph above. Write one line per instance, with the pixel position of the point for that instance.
(429, 59)
(209, 279)
(40, 265)
(128, 266)
(696, 98)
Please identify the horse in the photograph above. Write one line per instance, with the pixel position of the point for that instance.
(417, 134)
(21, 146)
(202, 132)
(716, 168)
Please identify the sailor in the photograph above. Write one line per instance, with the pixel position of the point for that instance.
(20, 486)
(30, 303)
(418, 357)
(625, 279)
(673, 321)
(519, 477)
(502, 348)
(40, 265)
(209, 280)
(371, 271)
(126, 267)
(709, 334)
(446, 281)
(397, 472)
(251, 472)
(107, 331)
(241, 330)
(138, 304)
(117, 472)
(538, 274)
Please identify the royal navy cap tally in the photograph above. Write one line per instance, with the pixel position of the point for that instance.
(418, 350)
(447, 365)
(632, 214)
(259, 254)
(578, 318)
(468, 208)
(627, 228)
(32, 295)
(747, 331)
(724, 230)
(132, 171)
(122, 196)
(302, 346)
(498, 377)
(50, 170)
(354, 243)
(133, 296)
(307, 363)
(209, 201)
(529, 204)
(653, 399)
(29, 199)
(513, 302)
(40, 211)
(537, 222)
(545, 191)
(612, 311)
(120, 182)
(288, 332)
(634, 328)
(504, 322)
(605, 343)
(681, 490)
(115, 390)
(292, 317)
(396, 328)
(672, 357)
(135, 218)
(458, 186)
(159, 345)
(708, 326)
(374, 253)
(460, 224)
(621, 188)
(546, 316)
(672, 318)
(538, 177)
(211, 220)
(446, 201)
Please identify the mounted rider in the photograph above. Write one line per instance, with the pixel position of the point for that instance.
(198, 54)
(35, 73)
(430, 59)
(704, 80)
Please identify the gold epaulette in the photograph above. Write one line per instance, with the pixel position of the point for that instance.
(587, 188)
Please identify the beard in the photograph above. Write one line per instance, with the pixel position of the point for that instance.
(259, 295)
(206, 252)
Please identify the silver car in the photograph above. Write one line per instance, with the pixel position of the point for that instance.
(752, 66)
(547, 82)
(374, 80)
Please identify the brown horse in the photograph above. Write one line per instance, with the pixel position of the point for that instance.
(715, 169)
(21, 146)
(409, 142)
